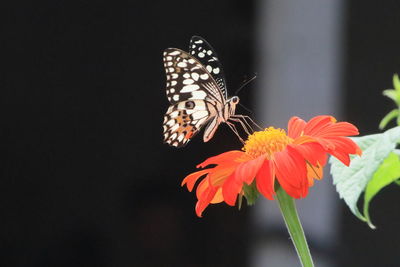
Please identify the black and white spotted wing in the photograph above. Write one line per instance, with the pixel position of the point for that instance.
(188, 79)
(206, 55)
(194, 95)
(184, 120)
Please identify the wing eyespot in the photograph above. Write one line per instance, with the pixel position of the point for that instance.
(189, 105)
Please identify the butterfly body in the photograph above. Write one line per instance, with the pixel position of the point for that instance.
(196, 89)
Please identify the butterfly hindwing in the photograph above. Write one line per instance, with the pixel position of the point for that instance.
(204, 52)
(187, 78)
(184, 120)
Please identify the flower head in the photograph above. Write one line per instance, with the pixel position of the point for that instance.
(292, 160)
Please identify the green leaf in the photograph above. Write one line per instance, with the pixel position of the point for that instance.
(396, 82)
(398, 120)
(397, 182)
(251, 193)
(392, 94)
(351, 181)
(390, 116)
(388, 172)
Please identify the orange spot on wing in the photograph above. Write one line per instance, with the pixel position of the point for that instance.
(189, 135)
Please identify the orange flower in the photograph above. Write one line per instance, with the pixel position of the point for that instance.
(293, 160)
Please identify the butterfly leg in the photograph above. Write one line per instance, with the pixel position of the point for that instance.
(233, 128)
(250, 119)
(244, 125)
(242, 120)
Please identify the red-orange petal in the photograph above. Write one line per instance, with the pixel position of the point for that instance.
(221, 172)
(343, 146)
(192, 178)
(315, 125)
(295, 192)
(231, 189)
(222, 158)
(205, 194)
(265, 179)
(314, 172)
(218, 198)
(245, 173)
(312, 152)
(295, 127)
(339, 129)
(291, 172)
(304, 139)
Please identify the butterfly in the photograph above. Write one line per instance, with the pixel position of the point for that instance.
(196, 90)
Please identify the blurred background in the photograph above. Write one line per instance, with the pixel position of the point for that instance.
(85, 179)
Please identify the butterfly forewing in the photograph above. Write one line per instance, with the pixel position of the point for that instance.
(206, 55)
(188, 79)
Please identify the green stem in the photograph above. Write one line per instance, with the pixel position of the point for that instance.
(289, 213)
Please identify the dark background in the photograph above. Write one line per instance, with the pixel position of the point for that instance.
(85, 179)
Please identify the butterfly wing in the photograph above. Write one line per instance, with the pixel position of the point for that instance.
(188, 79)
(184, 120)
(195, 98)
(211, 128)
(206, 55)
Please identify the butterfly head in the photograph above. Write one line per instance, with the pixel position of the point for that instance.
(232, 102)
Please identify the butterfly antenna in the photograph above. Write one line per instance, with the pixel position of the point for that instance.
(246, 83)
(246, 108)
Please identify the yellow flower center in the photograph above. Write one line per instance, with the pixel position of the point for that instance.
(266, 142)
